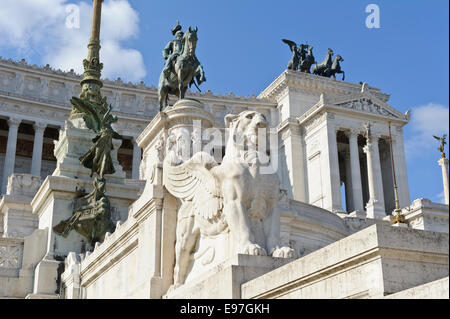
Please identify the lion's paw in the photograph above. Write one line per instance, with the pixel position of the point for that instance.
(255, 250)
(284, 252)
(173, 288)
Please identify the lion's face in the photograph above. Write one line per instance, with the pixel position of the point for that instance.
(244, 127)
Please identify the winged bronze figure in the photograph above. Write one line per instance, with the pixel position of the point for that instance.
(98, 158)
(442, 145)
(295, 60)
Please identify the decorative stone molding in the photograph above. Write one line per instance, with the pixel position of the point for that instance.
(364, 105)
(14, 122)
(352, 132)
(426, 215)
(11, 251)
(312, 123)
(40, 126)
(316, 84)
(23, 185)
(289, 127)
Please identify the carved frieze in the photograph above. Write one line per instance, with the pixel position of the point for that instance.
(23, 185)
(368, 106)
(315, 121)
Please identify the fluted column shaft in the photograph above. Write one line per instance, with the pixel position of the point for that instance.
(375, 206)
(36, 162)
(335, 179)
(358, 203)
(10, 156)
(443, 162)
(348, 184)
(137, 154)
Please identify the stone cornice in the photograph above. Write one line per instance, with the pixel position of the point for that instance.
(315, 83)
(389, 111)
(64, 186)
(288, 127)
(321, 107)
(118, 84)
(55, 113)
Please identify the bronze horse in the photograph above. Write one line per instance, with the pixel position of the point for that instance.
(184, 70)
(320, 68)
(335, 68)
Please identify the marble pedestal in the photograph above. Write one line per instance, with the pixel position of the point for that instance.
(52, 204)
(16, 218)
(73, 143)
(372, 263)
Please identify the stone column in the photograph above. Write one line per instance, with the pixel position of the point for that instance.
(348, 184)
(335, 178)
(358, 203)
(398, 150)
(137, 154)
(443, 162)
(375, 206)
(36, 162)
(10, 156)
(291, 139)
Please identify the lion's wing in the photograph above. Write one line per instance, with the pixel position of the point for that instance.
(192, 181)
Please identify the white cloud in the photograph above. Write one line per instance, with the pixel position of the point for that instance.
(441, 197)
(39, 26)
(426, 121)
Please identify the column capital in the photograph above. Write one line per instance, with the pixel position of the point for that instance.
(443, 161)
(334, 127)
(40, 126)
(353, 132)
(13, 121)
(375, 136)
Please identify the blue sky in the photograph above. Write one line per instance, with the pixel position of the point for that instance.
(241, 50)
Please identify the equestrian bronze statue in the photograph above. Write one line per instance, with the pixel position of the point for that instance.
(182, 68)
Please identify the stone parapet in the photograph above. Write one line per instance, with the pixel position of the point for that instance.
(434, 290)
(225, 279)
(372, 263)
(427, 215)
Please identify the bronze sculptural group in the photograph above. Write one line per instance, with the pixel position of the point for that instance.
(92, 212)
(98, 158)
(303, 59)
(182, 67)
(91, 215)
